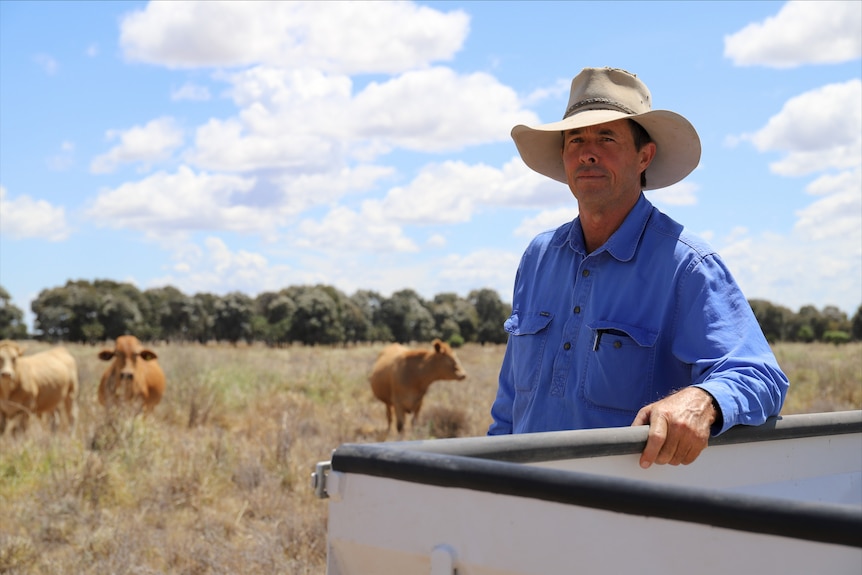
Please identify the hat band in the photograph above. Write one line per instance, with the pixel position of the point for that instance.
(598, 104)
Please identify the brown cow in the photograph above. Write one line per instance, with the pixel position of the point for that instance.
(133, 376)
(401, 377)
(38, 384)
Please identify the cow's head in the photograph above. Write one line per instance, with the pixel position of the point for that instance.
(125, 371)
(448, 364)
(9, 354)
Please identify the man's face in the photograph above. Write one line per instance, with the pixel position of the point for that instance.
(602, 164)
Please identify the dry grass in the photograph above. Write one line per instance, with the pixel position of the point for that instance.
(823, 376)
(217, 481)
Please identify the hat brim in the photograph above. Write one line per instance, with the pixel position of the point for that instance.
(677, 144)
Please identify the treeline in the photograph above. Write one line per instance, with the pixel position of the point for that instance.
(809, 324)
(90, 312)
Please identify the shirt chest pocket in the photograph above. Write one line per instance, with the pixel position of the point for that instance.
(528, 335)
(620, 367)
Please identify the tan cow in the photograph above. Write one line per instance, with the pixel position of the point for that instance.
(133, 376)
(38, 384)
(401, 377)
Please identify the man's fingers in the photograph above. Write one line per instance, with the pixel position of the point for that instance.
(642, 418)
(669, 450)
(655, 442)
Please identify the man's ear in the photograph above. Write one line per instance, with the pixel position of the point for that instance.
(647, 154)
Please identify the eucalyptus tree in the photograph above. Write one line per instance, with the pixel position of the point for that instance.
(202, 323)
(408, 317)
(856, 324)
(123, 309)
(274, 317)
(68, 313)
(454, 317)
(171, 313)
(776, 322)
(492, 314)
(316, 319)
(370, 304)
(232, 317)
(11, 318)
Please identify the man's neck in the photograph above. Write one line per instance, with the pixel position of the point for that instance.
(599, 225)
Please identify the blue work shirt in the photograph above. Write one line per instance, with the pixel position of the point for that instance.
(595, 337)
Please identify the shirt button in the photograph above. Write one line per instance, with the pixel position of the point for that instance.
(618, 344)
(585, 273)
(577, 309)
(567, 346)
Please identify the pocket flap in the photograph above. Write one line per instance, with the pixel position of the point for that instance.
(527, 322)
(642, 336)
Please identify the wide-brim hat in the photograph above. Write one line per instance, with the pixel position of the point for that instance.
(600, 95)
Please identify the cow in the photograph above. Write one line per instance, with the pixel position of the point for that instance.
(134, 377)
(400, 377)
(39, 384)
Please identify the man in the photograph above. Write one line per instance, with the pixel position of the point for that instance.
(621, 317)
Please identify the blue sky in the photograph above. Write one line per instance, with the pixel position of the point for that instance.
(251, 146)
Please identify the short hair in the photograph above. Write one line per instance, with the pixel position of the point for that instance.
(641, 138)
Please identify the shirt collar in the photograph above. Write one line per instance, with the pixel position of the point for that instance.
(623, 244)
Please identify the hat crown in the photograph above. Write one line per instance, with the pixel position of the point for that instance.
(608, 89)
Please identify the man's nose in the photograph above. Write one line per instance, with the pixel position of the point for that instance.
(588, 156)
(587, 152)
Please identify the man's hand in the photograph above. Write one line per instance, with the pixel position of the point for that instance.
(678, 427)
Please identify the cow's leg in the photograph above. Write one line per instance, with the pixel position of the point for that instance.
(21, 425)
(399, 418)
(416, 413)
(71, 412)
(388, 417)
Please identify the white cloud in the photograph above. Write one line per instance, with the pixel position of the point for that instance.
(340, 37)
(23, 217)
(48, 64)
(300, 192)
(558, 90)
(192, 92)
(819, 130)
(169, 203)
(215, 268)
(802, 32)
(289, 119)
(546, 220)
(344, 230)
(682, 193)
(453, 192)
(436, 241)
(421, 120)
(820, 261)
(795, 271)
(441, 193)
(303, 119)
(837, 214)
(521, 187)
(494, 269)
(64, 159)
(153, 142)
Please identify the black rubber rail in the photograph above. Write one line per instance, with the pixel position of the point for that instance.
(491, 464)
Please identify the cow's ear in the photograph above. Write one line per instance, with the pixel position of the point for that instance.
(105, 355)
(148, 355)
(438, 345)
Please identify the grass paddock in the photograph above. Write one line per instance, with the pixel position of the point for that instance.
(217, 479)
